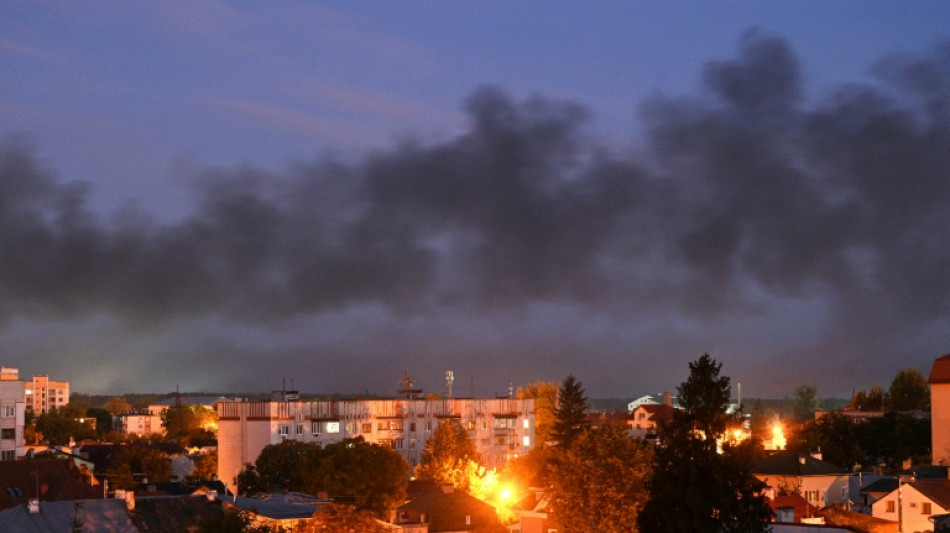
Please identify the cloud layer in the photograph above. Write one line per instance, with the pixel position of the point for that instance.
(743, 204)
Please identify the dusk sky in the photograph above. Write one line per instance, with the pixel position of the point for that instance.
(220, 195)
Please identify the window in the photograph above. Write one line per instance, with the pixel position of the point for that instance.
(300, 429)
(7, 433)
(527, 423)
(367, 427)
(811, 495)
(471, 424)
(526, 440)
(333, 427)
(283, 429)
(412, 427)
(8, 411)
(890, 506)
(7, 455)
(428, 425)
(505, 423)
(396, 444)
(925, 508)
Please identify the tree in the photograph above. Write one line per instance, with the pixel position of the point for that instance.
(103, 420)
(58, 425)
(699, 489)
(336, 518)
(908, 391)
(805, 403)
(132, 460)
(835, 435)
(544, 394)
(570, 416)
(206, 466)
(117, 405)
(446, 458)
(601, 482)
(370, 477)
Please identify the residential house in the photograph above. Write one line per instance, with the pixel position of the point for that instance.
(792, 509)
(46, 480)
(501, 428)
(645, 419)
(940, 410)
(913, 504)
(284, 510)
(819, 482)
(91, 516)
(446, 510)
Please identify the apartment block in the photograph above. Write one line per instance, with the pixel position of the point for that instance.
(42, 394)
(12, 418)
(501, 428)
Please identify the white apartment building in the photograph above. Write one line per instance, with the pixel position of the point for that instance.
(12, 418)
(501, 428)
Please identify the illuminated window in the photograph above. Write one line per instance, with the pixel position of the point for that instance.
(526, 440)
(333, 427)
(527, 423)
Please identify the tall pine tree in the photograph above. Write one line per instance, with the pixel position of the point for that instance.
(570, 416)
(696, 488)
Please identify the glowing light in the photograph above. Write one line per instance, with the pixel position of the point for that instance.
(505, 493)
(778, 437)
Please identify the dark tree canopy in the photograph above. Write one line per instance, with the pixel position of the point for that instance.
(697, 489)
(601, 482)
(570, 415)
(908, 392)
(805, 403)
(368, 476)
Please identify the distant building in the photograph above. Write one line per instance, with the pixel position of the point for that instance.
(140, 423)
(40, 394)
(501, 428)
(940, 410)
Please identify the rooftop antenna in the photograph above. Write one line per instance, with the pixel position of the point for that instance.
(449, 379)
(511, 390)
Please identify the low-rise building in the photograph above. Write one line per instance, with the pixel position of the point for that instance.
(913, 504)
(819, 482)
(141, 423)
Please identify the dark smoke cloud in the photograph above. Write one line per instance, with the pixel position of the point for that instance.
(739, 196)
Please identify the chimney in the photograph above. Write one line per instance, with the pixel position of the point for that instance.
(907, 464)
(668, 399)
(33, 506)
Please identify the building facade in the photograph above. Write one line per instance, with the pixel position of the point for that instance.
(43, 394)
(12, 419)
(141, 423)
(501, 428)
(940, 410)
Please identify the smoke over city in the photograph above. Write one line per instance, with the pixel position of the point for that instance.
(791, 236)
